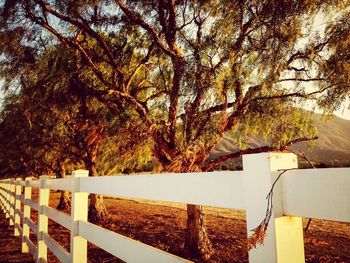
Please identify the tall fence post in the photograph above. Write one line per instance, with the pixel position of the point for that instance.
(284, 238)
(12, 201)
(79, 212)
(44, 195)
(18, 191)
(26, 214)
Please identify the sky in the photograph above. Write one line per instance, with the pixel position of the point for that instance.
(344, 111)
(320, 22)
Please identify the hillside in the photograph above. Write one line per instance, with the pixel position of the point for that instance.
(331, 149)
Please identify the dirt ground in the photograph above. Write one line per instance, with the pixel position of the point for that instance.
(10, 247)
(164, 227)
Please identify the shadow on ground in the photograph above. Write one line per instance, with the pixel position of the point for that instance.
(10, 246)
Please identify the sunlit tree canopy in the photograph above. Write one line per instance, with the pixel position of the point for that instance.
(133, 80)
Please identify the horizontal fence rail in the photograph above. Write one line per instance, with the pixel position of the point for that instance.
(133, 251)
(318, 193)
(313, 193)
(211, 189)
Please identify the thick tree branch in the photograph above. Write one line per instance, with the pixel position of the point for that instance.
(211, 164)
(154, 96)
(297, 94)
(113, 89)
(301, 79)
(138, 67)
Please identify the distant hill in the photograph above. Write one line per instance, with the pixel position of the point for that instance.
(332, 149)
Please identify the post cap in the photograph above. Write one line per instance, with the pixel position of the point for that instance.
(80, 173)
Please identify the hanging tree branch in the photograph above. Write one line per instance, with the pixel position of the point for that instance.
(211, 164)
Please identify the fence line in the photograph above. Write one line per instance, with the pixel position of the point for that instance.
(317, 193)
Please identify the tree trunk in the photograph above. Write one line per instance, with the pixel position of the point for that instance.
(197, 244)
(97, 209)
(64, 201)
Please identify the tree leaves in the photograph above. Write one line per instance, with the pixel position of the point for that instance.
(183, 72)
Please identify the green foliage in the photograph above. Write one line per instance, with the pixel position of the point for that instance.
(180, 73)
(52, 122)
(274, 124)
(337, 67)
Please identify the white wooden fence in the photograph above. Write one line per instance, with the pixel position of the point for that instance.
(314, 193)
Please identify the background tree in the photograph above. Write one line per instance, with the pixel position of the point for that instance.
(69, 125)
(188, 71)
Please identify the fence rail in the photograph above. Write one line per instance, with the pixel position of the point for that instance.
(316, 193)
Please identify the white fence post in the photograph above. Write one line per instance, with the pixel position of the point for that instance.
(26, 214)
(44, 195)
(79, 211)
(12, 201)
(18, 191)
(284, 238)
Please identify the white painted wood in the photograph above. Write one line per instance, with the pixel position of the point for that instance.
(33, 204)
(19, 213)
(3, 202)
(123, 247)
(60, 184)
(289, 239)
(59, 217)
(21, 198)
(5, 188)
(6, 202)
(7, 195)
(219, 189)
(57, 249)
(32, 248)
(79, 212)
(31, 225)
(1, 189)
(2, 197)
(34, 184)
(12, 202)
(26, 215)
(18, 191)
(317, 193)
(258, 181)
(44, 195)
(19, 229)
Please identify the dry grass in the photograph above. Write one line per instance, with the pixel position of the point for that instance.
(164, 227)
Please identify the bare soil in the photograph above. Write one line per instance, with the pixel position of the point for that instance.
(164, 227)
(10, 246)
